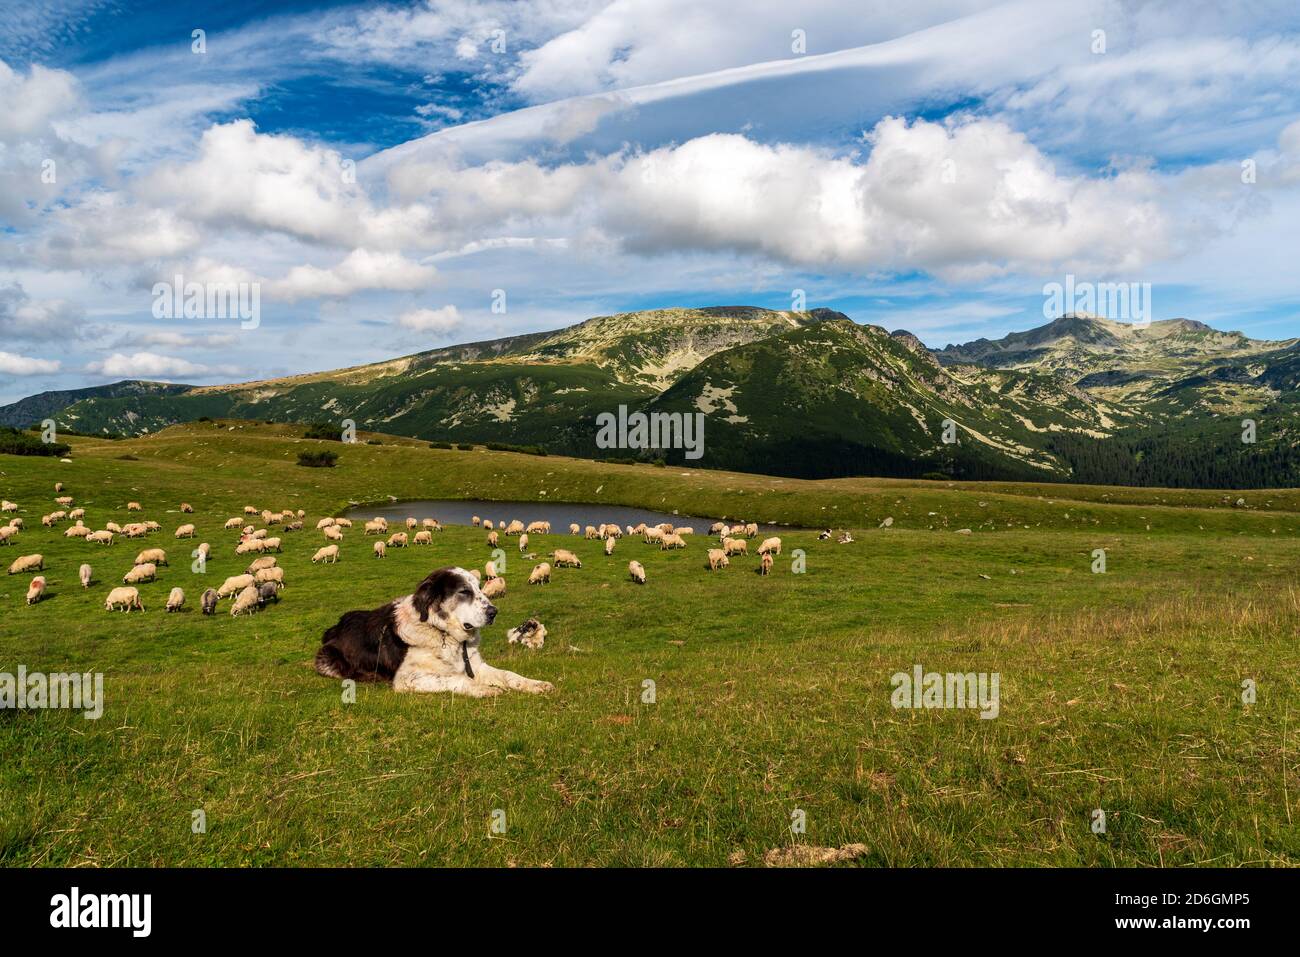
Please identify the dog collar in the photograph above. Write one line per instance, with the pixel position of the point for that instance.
(464, 653)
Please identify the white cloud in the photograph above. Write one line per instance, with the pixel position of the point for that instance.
(144, 365)
(431, 320)
(25, 318)
(14, 364)
(360, 270)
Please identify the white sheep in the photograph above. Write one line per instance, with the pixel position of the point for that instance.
(637, 572)
(155, 555)
(128, 598)
(245, 602)
(175, 599)
(233, 584)
(235, 522)
(424, 537)
(494, 588)
(140, 573)
(770, 545)
(330, 554)
(540, 575)
(380, 550)
(609, 546)
(27, 563)
(36, 589)
(185, 531)
(84, 574)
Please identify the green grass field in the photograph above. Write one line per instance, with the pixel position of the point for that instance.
(1120, 691)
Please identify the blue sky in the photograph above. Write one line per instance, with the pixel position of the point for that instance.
(384, 174)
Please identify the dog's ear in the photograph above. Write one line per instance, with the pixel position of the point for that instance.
(434, 590)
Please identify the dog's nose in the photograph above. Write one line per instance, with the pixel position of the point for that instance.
(491, 613)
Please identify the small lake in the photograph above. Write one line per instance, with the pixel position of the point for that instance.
(559, 514)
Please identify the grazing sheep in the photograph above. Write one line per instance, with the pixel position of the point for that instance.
(398, 540)
(492, 539)
(9, 532)
(540, 575)
(770, 545)
(514, 528)
(751, 529)
(133, 506)
(423, 538)
(715, 528)
(155, 555)
(233, 522)
(487, 524)
(128, 598)
(330, 554)
(135, 530)
(259, 533)
(36, 589)
(575, 529)
(637, 572)
(175, 599)
(271, 545)
(84, 574)
(665, 527)
(16, 523)
(347, 522)
(490, 570)
(530, 634)
(672, 541)
(274, 575)
(735, 546)
(564, 558)
(245, 602)
(77, 531)
(203, 551)
(8, 506)
(208, 602)
(538, 528)
(77, 513)
(609, 546)
(380, 551)
(113, 527)
(141, 573)
(717, 559)
(185, 531)
(765, 565)
(58, 487)
(652, 535)
(333, 533)
(27, 563)
(376, 527)
(104, 537)
(152, 526)
(590, 532)
(523, 543)
(267, 591)
(251, 509)
(293, 527)
(186, 507)
(411, 523)
(258, 564)
(48, 520)
(684, 530)
(324, 523)
(233, 584)
(249, 545)
(494, 588)
(476, 521)
(64, 500)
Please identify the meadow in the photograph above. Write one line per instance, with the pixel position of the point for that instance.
(1120, 691)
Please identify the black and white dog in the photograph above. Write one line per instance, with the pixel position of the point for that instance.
(427, 641)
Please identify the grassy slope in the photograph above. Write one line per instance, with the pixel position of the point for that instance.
(1118, 691)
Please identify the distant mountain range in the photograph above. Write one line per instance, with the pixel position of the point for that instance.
(806, 394)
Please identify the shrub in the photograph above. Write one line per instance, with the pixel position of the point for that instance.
(439, 445)
(525, 449)
(129, 458)
(15, 442)
(323, 430)
(465, 447)
(204, 418)
(373, 442)
(318, 460)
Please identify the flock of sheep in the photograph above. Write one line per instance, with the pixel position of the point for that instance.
(263, 579)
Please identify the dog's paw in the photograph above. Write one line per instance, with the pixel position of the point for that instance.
(541, 687)
(485, 691)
